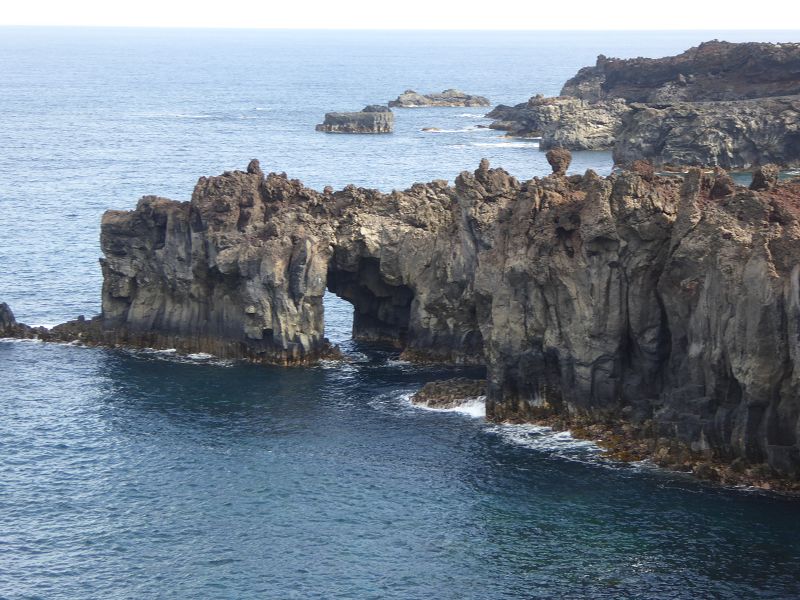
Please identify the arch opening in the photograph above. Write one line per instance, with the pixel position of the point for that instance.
(381, 311)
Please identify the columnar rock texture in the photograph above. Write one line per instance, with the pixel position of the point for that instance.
(562, 122)
(671, 303)
(720, 104)
(712, 71)
(412, 99)
(371, 119)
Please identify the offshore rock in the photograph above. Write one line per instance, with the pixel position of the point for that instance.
(733, 135)
(634, 299)
(371, 119)
(712, 71)
(562, 122)
(411, 99)
(449, 393)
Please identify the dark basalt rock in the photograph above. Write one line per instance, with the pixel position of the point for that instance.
(371, 119)
(629, 299)
(731, 105)
(712, 71)
(449, 393)
(411, 99)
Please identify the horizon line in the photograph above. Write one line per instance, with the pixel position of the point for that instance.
(382, 29)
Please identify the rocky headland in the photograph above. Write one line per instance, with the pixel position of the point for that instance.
(451, 98)
(720, 104)
(371, 119)
(667, 309)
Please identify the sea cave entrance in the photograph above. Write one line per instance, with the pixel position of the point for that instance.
(381, 311)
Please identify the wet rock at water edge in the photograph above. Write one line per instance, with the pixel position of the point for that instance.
(449, 393)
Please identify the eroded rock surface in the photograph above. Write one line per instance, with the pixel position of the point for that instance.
(449, 393)
(371, 119)
(732, 135)
(712, 71)
(412, 99)
(672, 305)
(736, 106)
(562, 122)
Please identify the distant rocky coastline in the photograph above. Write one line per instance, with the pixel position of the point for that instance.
(664, 309)
(720, 104)
(447, 98)
(371, 119)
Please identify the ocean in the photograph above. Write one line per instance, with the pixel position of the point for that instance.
(146, 474)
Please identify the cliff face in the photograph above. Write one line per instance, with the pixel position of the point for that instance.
(740, 134)
(712, 71)
(563, 122)
(672, 304)
(720, 104)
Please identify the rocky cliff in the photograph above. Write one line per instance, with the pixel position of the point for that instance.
(371, 119)
(412, 99)
(670, 304)
(720, 104)
(563, 122)
(710, 72)
(733, 135)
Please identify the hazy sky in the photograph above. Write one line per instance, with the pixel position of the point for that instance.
(408, 14)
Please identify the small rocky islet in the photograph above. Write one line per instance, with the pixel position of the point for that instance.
(374, 118)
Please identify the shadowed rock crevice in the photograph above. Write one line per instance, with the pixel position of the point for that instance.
(381, 311)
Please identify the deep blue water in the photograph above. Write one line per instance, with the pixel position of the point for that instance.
(135, 475)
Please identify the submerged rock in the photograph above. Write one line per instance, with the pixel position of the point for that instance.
(411, 99)
(449, 393)
(371, 119)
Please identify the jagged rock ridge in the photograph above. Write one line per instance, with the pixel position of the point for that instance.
(672, 304)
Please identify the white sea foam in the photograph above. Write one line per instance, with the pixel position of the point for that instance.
(472, 407)
(545, 439)
(472, 115)
(463, 130)
(506, 144)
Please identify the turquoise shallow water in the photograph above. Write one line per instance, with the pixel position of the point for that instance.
(132, 475)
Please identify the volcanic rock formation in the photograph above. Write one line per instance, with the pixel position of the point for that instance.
(720, 104)
(411, 99)
(712, 71)
(371, 119)
(673, 304)
(562, 122)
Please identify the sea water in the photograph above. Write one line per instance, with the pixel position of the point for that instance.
(137, 474)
